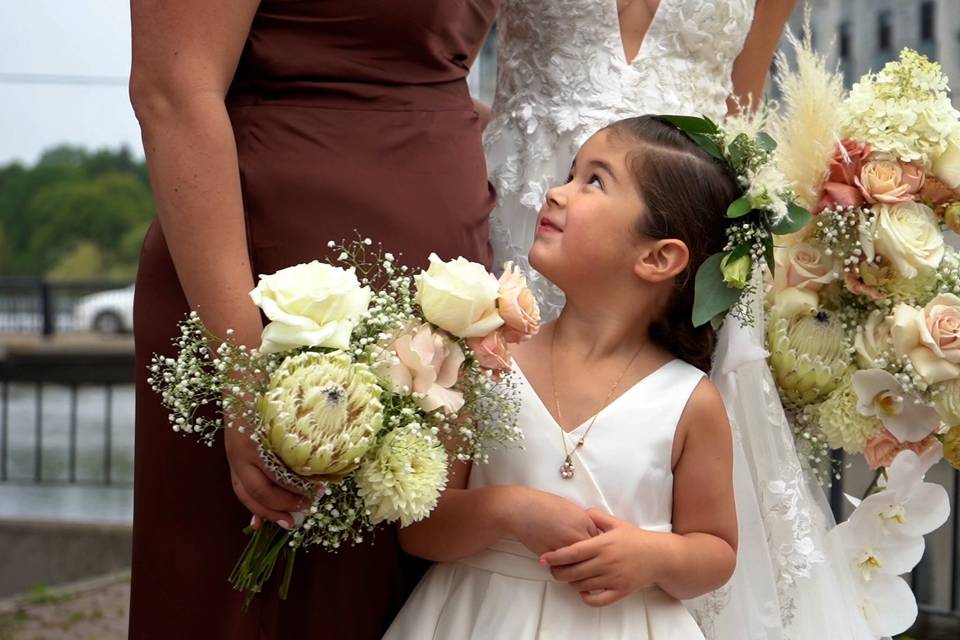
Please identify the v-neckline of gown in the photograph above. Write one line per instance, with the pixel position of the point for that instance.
(598, 414)
(646, 35)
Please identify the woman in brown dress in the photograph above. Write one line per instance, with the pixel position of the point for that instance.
(270, 128)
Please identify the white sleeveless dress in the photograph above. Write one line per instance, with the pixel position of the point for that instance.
(503, 593)
(562, 75)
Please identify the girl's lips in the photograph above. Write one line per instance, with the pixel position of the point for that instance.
(545, 226)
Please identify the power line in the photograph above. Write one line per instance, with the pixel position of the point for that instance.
(63, 79)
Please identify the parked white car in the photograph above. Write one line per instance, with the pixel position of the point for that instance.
(107, 312)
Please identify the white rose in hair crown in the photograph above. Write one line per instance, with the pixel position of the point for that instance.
(369, 380)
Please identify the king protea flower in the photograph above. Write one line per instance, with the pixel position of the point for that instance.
(808, 354)
(321, 414)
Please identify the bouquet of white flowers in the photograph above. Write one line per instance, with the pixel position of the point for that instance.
(368, 381)
(864, 313)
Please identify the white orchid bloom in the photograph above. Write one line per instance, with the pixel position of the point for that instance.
(906, 504)
(872, 550)
(879, 394)
(888, 605)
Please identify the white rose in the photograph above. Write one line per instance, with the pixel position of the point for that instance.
(947, 165)
(908, 235)
(460, 297)
(930, 337)
(873, 339)
(310, 305)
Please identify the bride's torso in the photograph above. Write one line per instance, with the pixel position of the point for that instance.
(562, 74)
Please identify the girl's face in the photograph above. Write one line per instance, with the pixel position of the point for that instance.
(587, 228)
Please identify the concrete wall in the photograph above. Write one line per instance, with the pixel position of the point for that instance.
(55, 553)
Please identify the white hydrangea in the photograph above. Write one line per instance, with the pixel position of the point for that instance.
(403, 479)
(903, 110)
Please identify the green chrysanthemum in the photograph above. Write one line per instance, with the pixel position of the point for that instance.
(842, 424)
(809, 355)
(403, 478)
(951, 447)
(946, 400)
(321, 414)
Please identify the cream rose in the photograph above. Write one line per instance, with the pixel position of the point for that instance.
(804, 266)
(930, 337)
(873, 339)
(886, 181)
(947, 165)
(459, 296)
(425, 364)
(310, 305)
(909, 236)
(517, 306)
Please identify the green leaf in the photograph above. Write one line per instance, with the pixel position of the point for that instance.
(739, 150)
(711, 294)
(797, 219)
(708, 144)
(766, 143)
(691, 124)
(768, 254)
(739, 207)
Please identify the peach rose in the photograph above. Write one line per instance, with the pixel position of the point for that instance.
(492, 351)
(890, 182)
(930, 337)
(805, 266)
(936, 192)
(425, 364)
(882, 448)
(840, 188)
(517, 306)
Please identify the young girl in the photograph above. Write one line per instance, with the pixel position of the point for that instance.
(621, 502)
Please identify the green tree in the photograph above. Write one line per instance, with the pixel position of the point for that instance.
(85, 260)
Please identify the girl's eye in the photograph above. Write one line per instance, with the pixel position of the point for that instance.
(569, 178)
(596, 182)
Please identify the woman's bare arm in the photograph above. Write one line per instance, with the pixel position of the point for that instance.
(185, 54)
(753, 64)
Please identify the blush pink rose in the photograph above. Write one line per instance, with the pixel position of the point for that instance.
(517, 306)
(492, 351)
(845, 167)
(882, 448)
(858, 287)
(805, 266)
(890, 182)
(426, 364)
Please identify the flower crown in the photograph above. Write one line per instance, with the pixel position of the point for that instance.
(766, 207)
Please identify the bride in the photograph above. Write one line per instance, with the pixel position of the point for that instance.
(566, 68)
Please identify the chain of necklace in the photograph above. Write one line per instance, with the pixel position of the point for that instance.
(567, 468)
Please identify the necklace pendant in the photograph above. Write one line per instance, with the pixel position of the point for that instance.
(567, 468)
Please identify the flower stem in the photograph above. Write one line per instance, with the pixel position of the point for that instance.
(258, 560)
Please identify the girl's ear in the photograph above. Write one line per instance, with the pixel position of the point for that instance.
(662, 260)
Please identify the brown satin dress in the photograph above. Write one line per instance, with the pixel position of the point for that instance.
(348, 115)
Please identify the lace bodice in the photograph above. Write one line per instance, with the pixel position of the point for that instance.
(562, 75)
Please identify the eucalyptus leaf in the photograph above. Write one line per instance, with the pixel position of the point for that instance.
(768, 254)
(766, 143)
(708, 144)
(692, 124)
(712, 296)
(739, 207)
(797, 218)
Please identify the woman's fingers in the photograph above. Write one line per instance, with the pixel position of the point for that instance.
(261, 488)
(284, 519)
(596, 583)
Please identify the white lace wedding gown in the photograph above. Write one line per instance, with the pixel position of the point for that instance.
(561, 76)
(504, 593)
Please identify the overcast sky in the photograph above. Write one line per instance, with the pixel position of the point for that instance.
(64, 38)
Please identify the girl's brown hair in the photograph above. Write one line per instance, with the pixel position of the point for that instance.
(686, 193)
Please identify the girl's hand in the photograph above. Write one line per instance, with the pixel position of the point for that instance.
(543, 521)
(614, 564)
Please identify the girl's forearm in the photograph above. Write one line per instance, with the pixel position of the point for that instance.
(693, 564)
(465, 522)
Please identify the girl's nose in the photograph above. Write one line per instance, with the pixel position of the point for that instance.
(556, 196)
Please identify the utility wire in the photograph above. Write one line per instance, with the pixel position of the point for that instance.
(63, 79)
